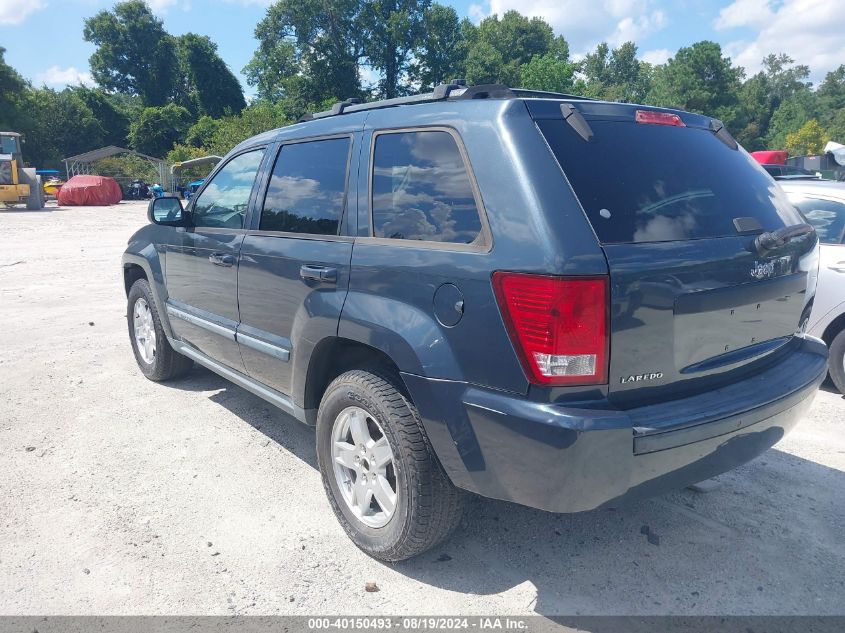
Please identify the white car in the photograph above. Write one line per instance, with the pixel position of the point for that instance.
(823, 204)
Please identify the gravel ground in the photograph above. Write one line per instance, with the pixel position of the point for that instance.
(122, 496)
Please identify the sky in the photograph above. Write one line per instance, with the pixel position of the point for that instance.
(43, 38)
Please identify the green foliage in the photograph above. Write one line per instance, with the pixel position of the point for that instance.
(836, 127)
(790, 116)
(760, 96)
(134, 55)
(392, 29)
(202, 132)
(211, 87)
(258, 117)
(831, 92)
(441, 57)
(810, 139)
(108, 111)
(62, 125)
(548, 72)
(158, 128)
(700, 79)
(499, 47)
(308, 51)
(616, 75)
(12, 97)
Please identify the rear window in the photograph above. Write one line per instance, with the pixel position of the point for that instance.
(656, 183)
(826, 216)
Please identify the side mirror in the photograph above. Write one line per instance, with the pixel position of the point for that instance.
(166, 211)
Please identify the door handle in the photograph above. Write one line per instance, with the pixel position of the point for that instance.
(838, 267)
(222, 259)
(318, 273)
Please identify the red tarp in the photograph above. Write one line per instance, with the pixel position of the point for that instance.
(90, 191)
(771, 157)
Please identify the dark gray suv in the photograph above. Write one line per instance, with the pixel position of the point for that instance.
(529, 296)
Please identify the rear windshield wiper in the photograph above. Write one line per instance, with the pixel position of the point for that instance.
(770, 240)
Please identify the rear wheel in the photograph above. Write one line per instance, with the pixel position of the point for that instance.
(836, 361)
(382, 478)
(156, 358)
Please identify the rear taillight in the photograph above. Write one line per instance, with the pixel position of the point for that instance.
(558, 326)
(658, 118)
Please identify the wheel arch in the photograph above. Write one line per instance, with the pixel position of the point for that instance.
(833, 328)
(336, 355)
(135, 267)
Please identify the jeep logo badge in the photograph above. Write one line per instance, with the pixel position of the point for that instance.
(641, 377)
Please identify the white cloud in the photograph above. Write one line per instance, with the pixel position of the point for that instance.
(585, 24)
(162, 6)
(753, 13)
(55, 77)
(657, 56)
(632, 28)
(16, 11)
(809, 31)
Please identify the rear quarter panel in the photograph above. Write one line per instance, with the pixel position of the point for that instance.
(535, 225)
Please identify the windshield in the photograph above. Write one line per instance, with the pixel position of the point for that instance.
(9, 145)
(655, 183)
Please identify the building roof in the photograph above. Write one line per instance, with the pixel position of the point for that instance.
(105, 152)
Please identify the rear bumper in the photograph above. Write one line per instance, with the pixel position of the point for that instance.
(572, 458)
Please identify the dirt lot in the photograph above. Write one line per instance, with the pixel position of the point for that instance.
(121, 496)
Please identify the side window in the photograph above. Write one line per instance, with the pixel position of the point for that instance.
(223, 203)
(308, 187)
(421, 189)
(826, 216)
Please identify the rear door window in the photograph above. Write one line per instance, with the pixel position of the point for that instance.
(826, 216)
(421, 189)
(308, 188)
(655, 183)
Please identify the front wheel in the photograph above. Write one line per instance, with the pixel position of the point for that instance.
(836, 361)
(381, 476)
(156, 358)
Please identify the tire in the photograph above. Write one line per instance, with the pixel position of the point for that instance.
(836, 361)
(427, 506)
(162, 362)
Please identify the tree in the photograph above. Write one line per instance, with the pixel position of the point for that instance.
(760, 96)
(62, 126)
(159, 128)
(498, 47)
(108, 111)
(258, 117)
(808, 140)
(134, 53)
(831, 92)
(790, 116)
(442, 54)
(700, 79)
(202, 132)
(12, 95)
(308, 52)
(211, 86)
(553, 71)
(616, 75)
(392, 30)
(836, 127)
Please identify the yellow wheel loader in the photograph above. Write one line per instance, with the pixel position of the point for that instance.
(18, 184)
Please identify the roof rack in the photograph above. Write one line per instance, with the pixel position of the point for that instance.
(455, 89)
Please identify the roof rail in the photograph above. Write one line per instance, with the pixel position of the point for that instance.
(455, 89)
